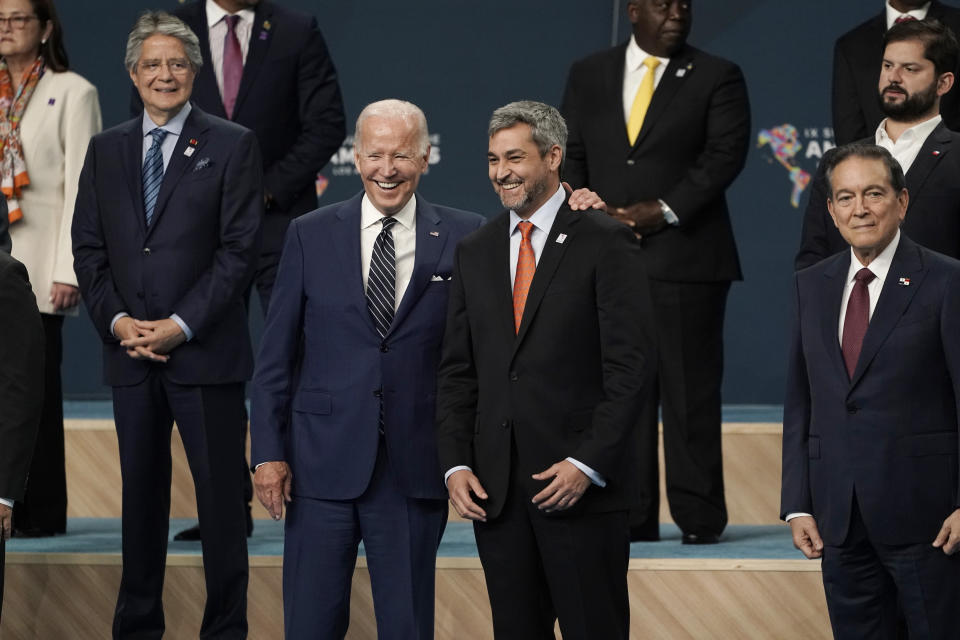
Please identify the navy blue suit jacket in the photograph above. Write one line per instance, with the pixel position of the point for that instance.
(323, 368)
(196, 257)
(890, 432)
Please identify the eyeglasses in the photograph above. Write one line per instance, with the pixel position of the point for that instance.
(177, 67)
(16, 22)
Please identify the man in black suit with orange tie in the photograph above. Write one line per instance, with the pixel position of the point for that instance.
(856, 62)
(659, 130)
(539, 391)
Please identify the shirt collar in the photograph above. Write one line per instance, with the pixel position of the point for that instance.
(880, 265)
(893, 14)
(543, 217)
(919, 131)
(370, 215)
(174, 125)
(636, 56)
(215, 14)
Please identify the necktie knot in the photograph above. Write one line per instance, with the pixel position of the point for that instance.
(387, 222)
(232, 23)
(864, 275)
(651, 63)
(904, 18)
(526, 228)
(158, 135)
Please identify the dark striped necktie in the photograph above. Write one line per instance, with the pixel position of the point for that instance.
(382, 278)
(153, 173)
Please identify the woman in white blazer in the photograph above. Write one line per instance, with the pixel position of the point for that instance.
(47, 116)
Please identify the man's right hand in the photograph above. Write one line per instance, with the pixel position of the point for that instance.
(273, 481)
(806, 536)
(125, 328)
(460, 484)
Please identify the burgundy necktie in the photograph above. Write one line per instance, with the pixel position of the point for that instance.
(232, 65)
(904, 18)
(856, 319)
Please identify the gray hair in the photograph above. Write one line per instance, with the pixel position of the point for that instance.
(151, 23)
(868, 152)
(547, 125)
(410, 113)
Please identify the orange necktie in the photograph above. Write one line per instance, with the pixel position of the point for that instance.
(526, 265)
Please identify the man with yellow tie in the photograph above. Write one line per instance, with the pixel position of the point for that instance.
(659, 130)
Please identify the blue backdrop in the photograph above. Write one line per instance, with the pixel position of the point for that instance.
(459, 60)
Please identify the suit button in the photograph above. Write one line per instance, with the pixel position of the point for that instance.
(505, 424)
(378, 393)
(140, 294)
(631, 162)
(852, 409)
(513, 376)
(146, 251)
(384, 348)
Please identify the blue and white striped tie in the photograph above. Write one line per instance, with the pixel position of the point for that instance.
(382, 279)
(153, 173)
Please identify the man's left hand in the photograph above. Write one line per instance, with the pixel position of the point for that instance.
(645, 218)
(159, 336)
(949, 537)
(583, 199)
(568, 485)
(6, 521)
(64, 296)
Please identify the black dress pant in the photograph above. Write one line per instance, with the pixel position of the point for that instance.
(44, 504)
(689, 318)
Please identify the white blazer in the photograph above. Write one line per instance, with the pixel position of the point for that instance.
(61, 117)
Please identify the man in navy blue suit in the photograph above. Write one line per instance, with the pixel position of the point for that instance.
(165, 243)
(870, 432)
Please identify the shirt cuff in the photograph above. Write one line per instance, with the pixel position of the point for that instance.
(798, 514)
(113, 323)
(453, 470)
(183, 325)
(668, 214)
(9, 503)
(595, 477)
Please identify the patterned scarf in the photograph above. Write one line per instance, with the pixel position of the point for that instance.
(13, 102)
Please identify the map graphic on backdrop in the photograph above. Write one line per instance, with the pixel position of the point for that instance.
(798, 155)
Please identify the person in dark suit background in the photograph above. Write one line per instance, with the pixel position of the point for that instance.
(870, 472)
(856, 60)
(917, 62)
(351, 345)
(21, 385)
(286, 92)
(659, 130)
(538, 395)
(165, 244)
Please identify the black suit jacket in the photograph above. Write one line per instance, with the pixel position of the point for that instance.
(195, 259)
(891, 430)
(572, 381)
(289, 96)
(692, 145)
(933, 215)
(856, 76)
(21, 377)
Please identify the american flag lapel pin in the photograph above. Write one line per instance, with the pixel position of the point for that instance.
(435, 234)
(561, 238)
(936, 152)
(904, 282)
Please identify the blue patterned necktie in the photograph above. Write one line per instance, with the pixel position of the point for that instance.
(153, 173)
(382, 279)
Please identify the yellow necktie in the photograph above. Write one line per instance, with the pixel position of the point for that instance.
(641, 102)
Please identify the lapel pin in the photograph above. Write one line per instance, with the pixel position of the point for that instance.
(267, 25)
(51, 101)
(435, 234)
(193, 142)
(936, 152)
(561, 238)
(263, 35)
(681, 73)
(904, 282)
(189, 151)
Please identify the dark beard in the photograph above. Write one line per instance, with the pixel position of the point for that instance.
(913, 107)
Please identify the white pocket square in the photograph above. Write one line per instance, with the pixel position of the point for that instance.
(439, 278)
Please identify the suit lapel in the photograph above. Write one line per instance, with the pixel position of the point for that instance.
(836, 277)
(934, 148)
(613, 98)
(193, 129)
(132, 167)
(431, 239)
(547, 265)
(501, 298)
(894, 300)
(347, 246)
(681, 67)
(260, 37)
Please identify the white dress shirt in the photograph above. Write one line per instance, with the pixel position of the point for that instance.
(880, 266)
(908, 145)
(174, 128)
(217, 31)
(542, 220)
(404, 242)
(893, 14)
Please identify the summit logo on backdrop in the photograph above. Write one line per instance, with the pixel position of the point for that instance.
(797, 152)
